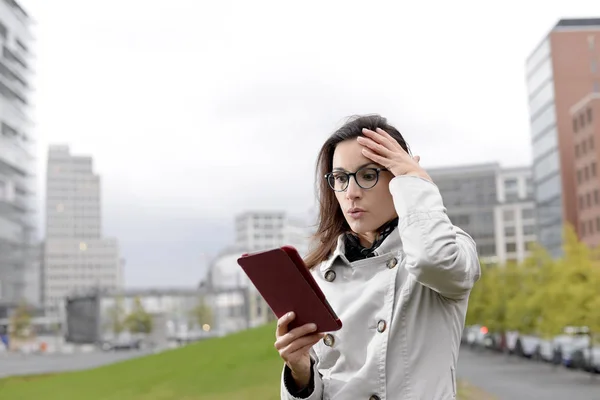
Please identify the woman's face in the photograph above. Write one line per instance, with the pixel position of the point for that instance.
(376, 203)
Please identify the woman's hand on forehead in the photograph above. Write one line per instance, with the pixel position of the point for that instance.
(383, 149)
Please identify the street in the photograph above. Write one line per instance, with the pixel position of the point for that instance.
(17, 364)
(511, 378)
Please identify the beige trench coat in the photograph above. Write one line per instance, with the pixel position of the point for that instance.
(403, 311)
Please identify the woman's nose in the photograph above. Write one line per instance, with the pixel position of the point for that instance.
(353, 191)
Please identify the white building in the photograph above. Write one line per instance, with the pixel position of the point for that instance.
(17, 159)
(261, 230)
(76, 258)
(514, 216)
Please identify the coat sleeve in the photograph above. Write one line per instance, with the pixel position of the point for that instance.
(314, 391)
(439, 255)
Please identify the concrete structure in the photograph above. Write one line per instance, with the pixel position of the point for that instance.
(560, 72)
(90, 317)
(586, 133)
(514, 215)
(17, 158)
(260, 230)
(492, 204)
(76, 257)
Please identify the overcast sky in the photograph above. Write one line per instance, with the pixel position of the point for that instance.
(195, 110)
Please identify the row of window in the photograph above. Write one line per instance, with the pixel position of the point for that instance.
(526, 213)
(584, 174)
(585, 201)
(582, 119)
(584, 146)
(512, 231)
(589, 227)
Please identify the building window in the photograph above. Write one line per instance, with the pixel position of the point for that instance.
(583, 148)
(596, 196)
(509, 231)
(529, 230)
(510, 184)
(588, 198)
(594, 168)
(575, 125)
(586, 173)
(591, 142)
(509, 215)
(578, 176)
(589, 115)
(591, 226)
(511, 247)
(582, 228)
(598, 223)
(528, 213)
(581, 202)
(581, 120)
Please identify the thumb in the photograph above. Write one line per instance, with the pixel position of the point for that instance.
(417, 158)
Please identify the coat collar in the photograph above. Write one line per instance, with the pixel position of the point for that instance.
(392, 243)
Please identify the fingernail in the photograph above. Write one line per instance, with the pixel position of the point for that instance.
(290, 314)
(312, 327)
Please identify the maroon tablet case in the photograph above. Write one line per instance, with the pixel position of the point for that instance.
(282, 279)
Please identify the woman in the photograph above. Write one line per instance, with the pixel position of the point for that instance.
(393, 267)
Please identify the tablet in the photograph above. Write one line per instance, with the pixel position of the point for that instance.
(286, 284)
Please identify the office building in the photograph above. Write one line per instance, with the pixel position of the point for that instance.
(259, 230)
(586, 133)
(18, 248)
(493, 205)
(560, 72)
(77, 258)
(514, 215)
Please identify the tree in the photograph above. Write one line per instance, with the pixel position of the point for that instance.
(20, 321)
(202, 313)
(139, 320)
(116, 317)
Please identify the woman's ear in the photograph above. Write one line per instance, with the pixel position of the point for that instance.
(417, 158)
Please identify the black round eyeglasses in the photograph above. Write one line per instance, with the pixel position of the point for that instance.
(366, 178)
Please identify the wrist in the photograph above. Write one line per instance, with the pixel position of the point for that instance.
(301, 376)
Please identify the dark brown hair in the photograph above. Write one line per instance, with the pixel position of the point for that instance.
(331, 221)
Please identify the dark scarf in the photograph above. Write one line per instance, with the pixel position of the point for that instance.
(355, 251)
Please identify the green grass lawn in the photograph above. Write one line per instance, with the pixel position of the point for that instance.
(237, 367)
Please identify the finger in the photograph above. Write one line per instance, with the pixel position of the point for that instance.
(282, 324)
(376, 158)
(417, 159)
(380, 138)
(294, 334)
(376, 147)
(391, 139)
(299, 345)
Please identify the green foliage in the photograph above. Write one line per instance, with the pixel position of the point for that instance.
(20, 321)
(540, 295)
(116, 317)
(138, 321)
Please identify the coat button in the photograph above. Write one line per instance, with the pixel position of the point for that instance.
(392, 263)
(330, 276)
(381, 325)
(328, 340)
(374, 397)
